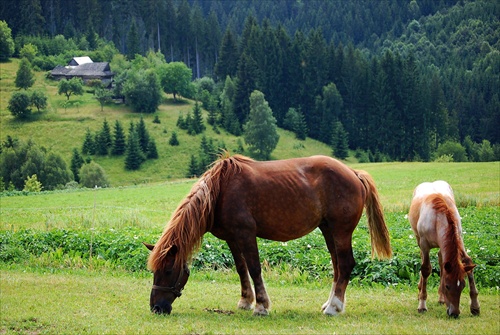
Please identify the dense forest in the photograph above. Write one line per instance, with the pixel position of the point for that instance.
(398, 78)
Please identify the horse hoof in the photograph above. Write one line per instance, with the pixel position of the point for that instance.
(243, 304)
(263, 312)
(422, 310)
(475, 311)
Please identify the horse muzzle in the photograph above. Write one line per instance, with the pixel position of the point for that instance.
(453, 312)
(162, 308)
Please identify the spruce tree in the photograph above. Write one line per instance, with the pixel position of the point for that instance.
(133, 42)
(340, 142)
(196, 125)
(193, 168)
(24, 76)
(106, 134)
(143, 135)
(76, 164)
(173, 139)
(134, 157)
(152, 150)
(119, 142)
(88, 147)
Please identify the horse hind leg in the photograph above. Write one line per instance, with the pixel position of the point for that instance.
(425, 271)
(340, 248)
(328, 235)
(247, 294)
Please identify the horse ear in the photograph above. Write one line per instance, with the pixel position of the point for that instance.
(469, 267)
(149, 246)
(447, 266)
(172, 251)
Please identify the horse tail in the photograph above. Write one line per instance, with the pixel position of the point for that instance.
(379, 235)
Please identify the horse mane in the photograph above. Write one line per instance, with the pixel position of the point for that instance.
(451, 247)
(195, 214)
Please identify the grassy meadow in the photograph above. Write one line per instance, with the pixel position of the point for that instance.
(71, 260)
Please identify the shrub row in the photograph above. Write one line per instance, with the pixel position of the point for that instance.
(308, 256)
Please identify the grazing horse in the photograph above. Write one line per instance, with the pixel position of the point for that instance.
(239, 199)
(436, 222)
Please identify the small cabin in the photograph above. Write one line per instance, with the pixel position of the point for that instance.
(85, 68)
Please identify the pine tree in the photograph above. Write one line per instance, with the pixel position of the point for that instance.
(246, 83)
(88, 147)
(106, 134)
(193, 168)
(227, 64)
(152, 150)
(134, 157)
(25, 77)
(340, 142)
(173, 139)
(119, 141)
(133, 42)
(76, 164)
(196, 125)
(143, 135)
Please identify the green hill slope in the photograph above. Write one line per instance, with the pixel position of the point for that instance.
(63, 125)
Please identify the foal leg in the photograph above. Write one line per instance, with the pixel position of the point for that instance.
(247, 294)
(441, 300)
(474, 302)
(425, 271)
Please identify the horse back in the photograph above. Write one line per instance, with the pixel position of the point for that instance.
(287, 199)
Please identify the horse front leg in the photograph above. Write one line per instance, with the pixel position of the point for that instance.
(247, 294)
(474, 302)
(262, 301)
(442, 299)
(425, 271)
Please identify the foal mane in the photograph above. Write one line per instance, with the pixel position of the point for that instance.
(195, 214)
(452, 245)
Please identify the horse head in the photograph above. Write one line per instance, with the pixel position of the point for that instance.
(168, 282)
(453, 285)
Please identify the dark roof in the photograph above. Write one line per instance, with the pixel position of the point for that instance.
(100, 69)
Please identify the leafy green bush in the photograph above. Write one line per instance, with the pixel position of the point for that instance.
(307, 258)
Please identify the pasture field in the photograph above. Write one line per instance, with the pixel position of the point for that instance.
(92, 302)
(72, 262)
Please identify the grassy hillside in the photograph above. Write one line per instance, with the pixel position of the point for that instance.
(63, 128)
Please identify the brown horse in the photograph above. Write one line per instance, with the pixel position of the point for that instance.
(239, 199)
(436, 222)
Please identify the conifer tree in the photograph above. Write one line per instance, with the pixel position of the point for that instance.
(340, 142)
(152, 150)
(119, 141)
(88, 147)
(134, 157)
(193, 168)
(196, 125)
(143, 135)
(260, 132)
(25, 77)
(76, 164)
(173, 139)
(133, 42)
(106, 134)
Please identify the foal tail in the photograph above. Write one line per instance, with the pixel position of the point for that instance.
(381, 245)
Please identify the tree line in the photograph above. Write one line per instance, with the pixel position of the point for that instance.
(397, 85)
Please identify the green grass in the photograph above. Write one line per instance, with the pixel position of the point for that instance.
(475, 184)
(89, 302)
